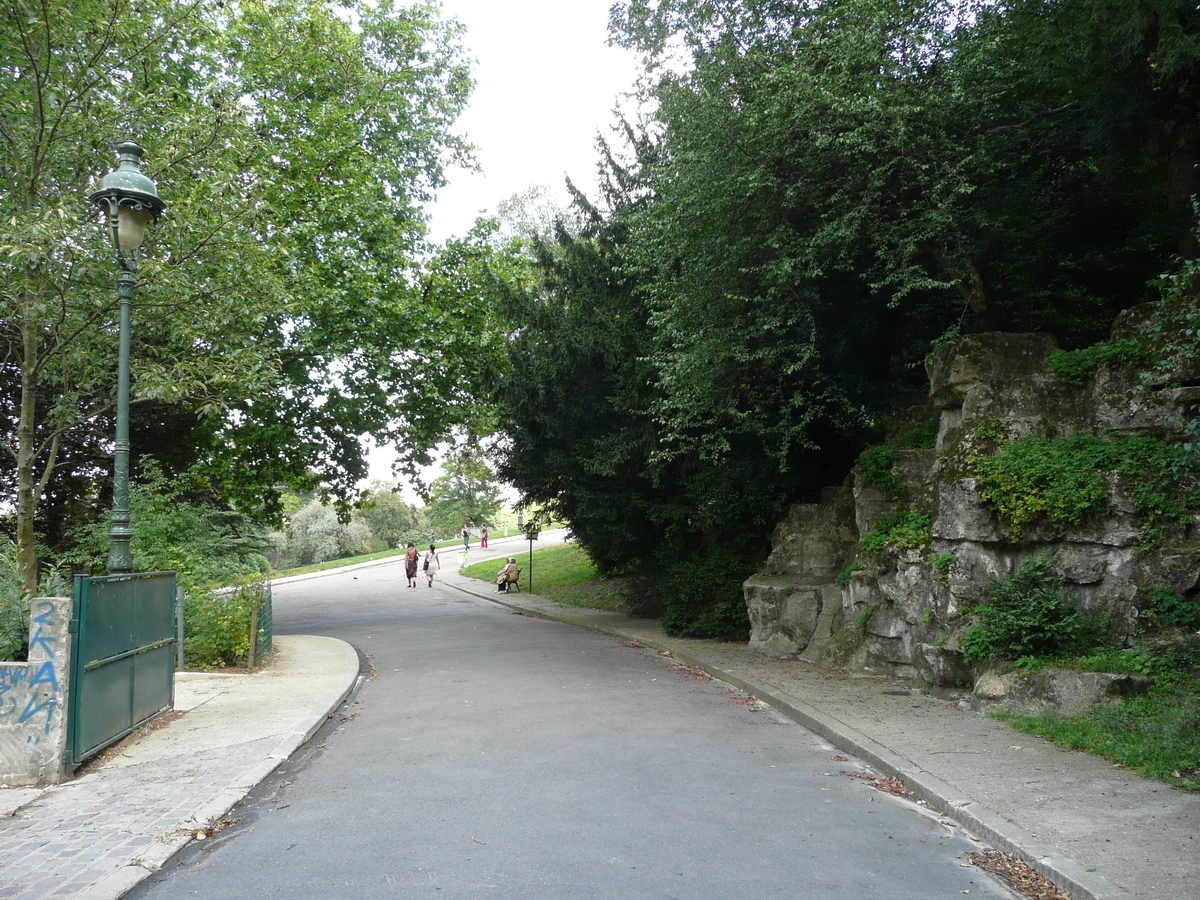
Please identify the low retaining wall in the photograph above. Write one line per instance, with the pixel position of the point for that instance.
(33, 699)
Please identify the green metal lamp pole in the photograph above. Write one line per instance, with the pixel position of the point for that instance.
(131, 200)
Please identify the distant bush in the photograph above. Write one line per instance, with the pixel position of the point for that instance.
(203, 544)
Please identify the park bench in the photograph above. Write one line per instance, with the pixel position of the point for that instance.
(514, 584)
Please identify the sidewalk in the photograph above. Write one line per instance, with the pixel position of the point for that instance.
(1097, 831)
(1094, 829)
(97, 836)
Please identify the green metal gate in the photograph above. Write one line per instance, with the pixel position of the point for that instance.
(123, 660)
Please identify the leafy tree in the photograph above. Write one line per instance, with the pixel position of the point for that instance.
(389, 517)
(467, 493)
(583, 395)
(294, 150)
(316, 534)
(937, 153)
(822, 191)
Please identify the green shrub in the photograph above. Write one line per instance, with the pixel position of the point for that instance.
(1062, 479)
(699, 602)
(991, 430)
(904, 530)
(864, 619)
(875, 467)
(844, 576)
(941, 563)
(216, 626)
(924, 437)
(203, 545)
(1029, 615)
(976, 646)
(1077, 366)
(1166, 609)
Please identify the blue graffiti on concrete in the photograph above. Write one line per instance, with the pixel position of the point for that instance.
(46, 673)
(11, 676)
(32, 710)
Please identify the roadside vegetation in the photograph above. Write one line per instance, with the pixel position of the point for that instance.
(1031, 622)
(1156, 735)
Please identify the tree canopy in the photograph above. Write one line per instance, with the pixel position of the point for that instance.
(286, 305)
(819, 192)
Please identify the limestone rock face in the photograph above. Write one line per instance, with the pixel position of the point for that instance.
(901, 612)
(809, 547)
(783, 613)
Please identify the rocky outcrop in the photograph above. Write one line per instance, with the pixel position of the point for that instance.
(1060, 691)
(903, 610)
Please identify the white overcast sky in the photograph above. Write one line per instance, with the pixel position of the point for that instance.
(546, 84)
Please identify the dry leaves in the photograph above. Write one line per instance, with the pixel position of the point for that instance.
(1020, 877)
(893, 786)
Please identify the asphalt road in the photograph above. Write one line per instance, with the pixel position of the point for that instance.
(496, 755)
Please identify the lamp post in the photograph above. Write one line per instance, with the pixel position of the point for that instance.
(130, 200)
(531, 535)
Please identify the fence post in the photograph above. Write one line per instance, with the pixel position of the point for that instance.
(179, 628)
(254, 604)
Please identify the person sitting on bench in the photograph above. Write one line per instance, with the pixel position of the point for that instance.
(508, 575)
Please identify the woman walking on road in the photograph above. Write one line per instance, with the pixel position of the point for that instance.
(432, 559)
(410, 563)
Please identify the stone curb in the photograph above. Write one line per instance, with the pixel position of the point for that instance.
(1069, 876)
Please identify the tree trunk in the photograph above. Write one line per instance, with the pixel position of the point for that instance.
(26, 452)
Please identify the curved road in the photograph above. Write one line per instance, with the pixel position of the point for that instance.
(495, 755)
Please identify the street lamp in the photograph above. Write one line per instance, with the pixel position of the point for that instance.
(531, 535)
(130, 201)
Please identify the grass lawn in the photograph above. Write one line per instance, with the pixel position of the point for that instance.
(1156, 735)
(561, 573)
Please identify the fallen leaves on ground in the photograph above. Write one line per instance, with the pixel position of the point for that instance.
(1020, 877)
(693, 672)
(893, 786)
